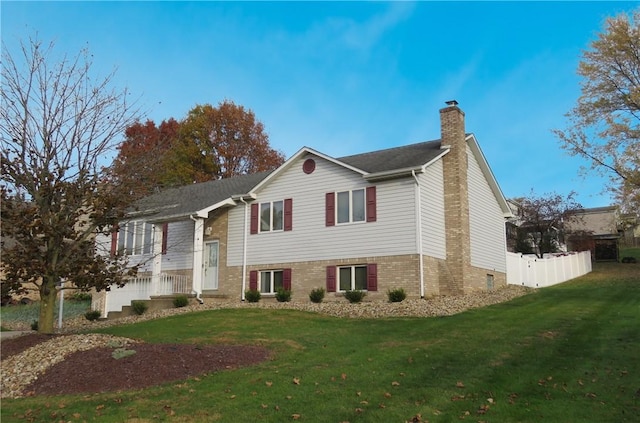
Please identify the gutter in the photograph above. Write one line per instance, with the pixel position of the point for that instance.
(419, 231)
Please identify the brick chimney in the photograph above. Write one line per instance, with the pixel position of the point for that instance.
(456, 201)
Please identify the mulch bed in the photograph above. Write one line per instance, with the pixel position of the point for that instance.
(96, 370)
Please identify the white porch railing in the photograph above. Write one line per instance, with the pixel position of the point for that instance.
(528, 270)
(142, 288)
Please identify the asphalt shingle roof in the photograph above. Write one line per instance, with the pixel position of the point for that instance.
(407, 156)
(188, 199)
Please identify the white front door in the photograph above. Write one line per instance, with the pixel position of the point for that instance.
(210, 266)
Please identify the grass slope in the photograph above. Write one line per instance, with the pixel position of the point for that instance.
(566, 353)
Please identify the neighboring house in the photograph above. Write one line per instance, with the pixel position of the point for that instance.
(595, 229)
(427, 217)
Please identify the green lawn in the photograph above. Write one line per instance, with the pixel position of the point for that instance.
(569, 353)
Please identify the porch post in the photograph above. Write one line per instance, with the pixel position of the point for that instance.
(198, 248)
(156, 268)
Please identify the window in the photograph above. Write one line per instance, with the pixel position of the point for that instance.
(135, 238)
(269, 281)
(351, 206)
(352, 277)
(357, 205)
(346, 278)
(272, 216)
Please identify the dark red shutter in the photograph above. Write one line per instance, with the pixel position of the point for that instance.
(371, 204)
(331, 279)
(288, 214)
(286, 279)
(330, 209)
(253, 280)
(114, 241)
(372, 277)
(165, 235)
(254, 218)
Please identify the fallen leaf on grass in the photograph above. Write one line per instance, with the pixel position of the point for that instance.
(459, 384)
(268, 383)
(394, 383)
(483, 409)
(100, 407)
(343, 376)
(296, 381)
(295, 416)
(387, 395)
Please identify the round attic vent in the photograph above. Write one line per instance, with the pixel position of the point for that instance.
(309, 166)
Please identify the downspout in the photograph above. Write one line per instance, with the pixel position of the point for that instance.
(244, 249)
(198, 293)
(419, 231)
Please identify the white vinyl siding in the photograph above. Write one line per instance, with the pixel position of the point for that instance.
(487, 228)
(432, 204)
(179, 246)
(393, 233)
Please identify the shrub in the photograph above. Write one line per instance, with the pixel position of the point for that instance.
(629, 260)
(283, 295)
(92, 315)
(396, 295)
(355, 296)
(34, 325)
(316, 295)
(139, 307)
(252, 295)
(180, 301)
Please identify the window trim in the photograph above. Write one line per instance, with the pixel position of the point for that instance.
(352, 268)
(255, 279)
(134, 238)
(333, 277)
(272, 273)
(369, 206)
(255, 224)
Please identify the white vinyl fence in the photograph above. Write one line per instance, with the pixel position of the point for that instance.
(528, 270)
(141, 288)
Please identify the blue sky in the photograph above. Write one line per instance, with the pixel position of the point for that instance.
(350, 77)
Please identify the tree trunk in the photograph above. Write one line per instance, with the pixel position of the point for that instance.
(48, 294)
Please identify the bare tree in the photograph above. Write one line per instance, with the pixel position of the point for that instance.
(542, 221)
(57, 125)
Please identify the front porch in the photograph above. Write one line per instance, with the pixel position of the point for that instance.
(145, 287)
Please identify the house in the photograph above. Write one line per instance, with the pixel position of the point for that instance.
(427, 217)
(596, 229)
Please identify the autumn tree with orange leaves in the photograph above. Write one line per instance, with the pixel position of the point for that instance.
(210, 143)
(141, 161)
